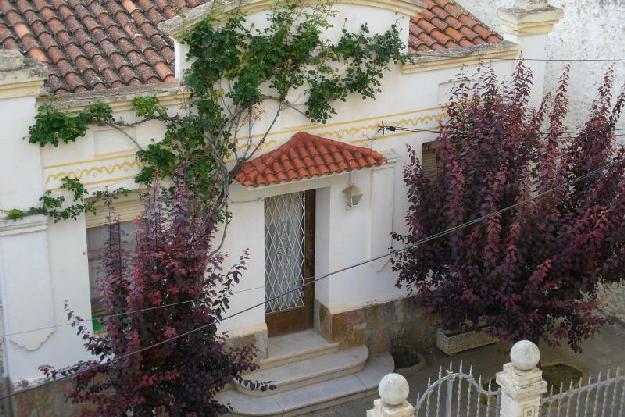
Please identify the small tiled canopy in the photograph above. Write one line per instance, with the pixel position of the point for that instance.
(306, 156)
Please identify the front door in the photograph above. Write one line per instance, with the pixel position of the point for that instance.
(289, 262)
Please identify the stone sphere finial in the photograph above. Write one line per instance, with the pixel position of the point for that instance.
(525, 355)
(393, 389)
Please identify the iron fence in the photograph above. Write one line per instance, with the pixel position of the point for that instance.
(458, 393)
(602, 397)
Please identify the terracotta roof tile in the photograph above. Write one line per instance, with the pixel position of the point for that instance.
(102, 44)
(306, 156)
(443, 24)
(93, 44)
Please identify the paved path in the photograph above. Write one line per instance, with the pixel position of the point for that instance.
(604, 351)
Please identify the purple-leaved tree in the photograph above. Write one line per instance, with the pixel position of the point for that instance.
(532, 270)
(162, 353)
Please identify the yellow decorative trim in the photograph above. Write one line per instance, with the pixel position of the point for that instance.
(308, 127)
(520, 22)
(21, 89)
(105, 169)
(430, 63)
(106, 157)
(177, 25)
(353, 130)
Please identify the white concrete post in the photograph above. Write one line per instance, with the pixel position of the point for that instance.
(393, 402)
(528, 23)
(42, 263)
(521, 382)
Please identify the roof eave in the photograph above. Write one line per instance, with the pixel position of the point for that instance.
(120, 99)
(456, 57)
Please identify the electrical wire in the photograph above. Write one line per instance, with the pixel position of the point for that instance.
(392, 128)
(422, 54)
(382, 128)
(413, 245)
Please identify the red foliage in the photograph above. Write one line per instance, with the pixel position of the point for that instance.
(530, 271)
(155, 361)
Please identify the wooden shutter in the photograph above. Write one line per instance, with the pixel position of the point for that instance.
(429, 164)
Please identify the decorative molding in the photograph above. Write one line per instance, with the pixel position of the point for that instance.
(115, 155)
(523, 22)
(33, 340)
(105, 170)
(120, 99)
(30, 224)
(20, 76)
(82, 173)
(30, 88)
(125, 209)
(177, 25)
(458, 58)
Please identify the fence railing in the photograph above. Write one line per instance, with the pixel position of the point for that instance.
(458, 393)
(602, 396)
(520, 393)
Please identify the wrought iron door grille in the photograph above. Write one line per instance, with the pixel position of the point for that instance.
(284, 256)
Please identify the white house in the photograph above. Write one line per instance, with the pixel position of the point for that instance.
(297, 223)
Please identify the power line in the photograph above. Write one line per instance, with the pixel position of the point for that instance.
(328, 275)
(382, 128)
(393, 128)
(122, 314)
(433, 55)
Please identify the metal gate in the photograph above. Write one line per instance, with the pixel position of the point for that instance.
(603, 397)
(458, 394)
(284, 257)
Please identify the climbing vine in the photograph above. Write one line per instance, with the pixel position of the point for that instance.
(53, 205)
(239, 73)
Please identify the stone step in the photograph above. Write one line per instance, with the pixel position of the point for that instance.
(311, 397)
(295, 347)
(308, 371)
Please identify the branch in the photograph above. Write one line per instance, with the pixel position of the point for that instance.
(288, 104)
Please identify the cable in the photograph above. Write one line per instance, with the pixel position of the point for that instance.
(420, 54)
(310, 282)
(126, 313)
(392, 128)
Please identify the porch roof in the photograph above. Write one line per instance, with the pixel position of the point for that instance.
(306, 156)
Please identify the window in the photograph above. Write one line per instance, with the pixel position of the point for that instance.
(429, 164)
(97, 241)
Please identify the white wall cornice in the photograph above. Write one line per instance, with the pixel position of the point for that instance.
(28, 224)
(179, 24)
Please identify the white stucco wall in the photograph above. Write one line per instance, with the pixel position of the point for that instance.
(589, 29)
(344, 236)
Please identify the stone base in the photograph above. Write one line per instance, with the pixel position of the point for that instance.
(456, 343)
(258, 338)
(378, 325)
(45, 401)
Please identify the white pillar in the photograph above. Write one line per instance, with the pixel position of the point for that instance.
(41, 264)
(24, 260)
(521, 382)
(528, 23)
(393, 402)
